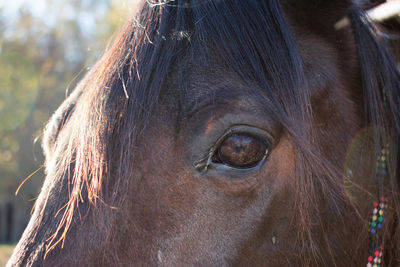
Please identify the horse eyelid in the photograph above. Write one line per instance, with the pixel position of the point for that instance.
(205, 162)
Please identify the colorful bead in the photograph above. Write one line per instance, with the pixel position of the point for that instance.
(377, 219)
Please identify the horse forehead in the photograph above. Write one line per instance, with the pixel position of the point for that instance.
(320, 59)
(203, 80)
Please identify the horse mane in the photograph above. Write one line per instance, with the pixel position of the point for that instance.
(90, 142)
(381, 87)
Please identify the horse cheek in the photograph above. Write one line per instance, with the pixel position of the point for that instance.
(204, 224)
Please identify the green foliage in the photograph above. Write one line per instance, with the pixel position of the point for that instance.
(19, 88)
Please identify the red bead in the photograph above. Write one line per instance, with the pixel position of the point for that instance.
(382, 199)
(376, 204)
(377, 253)
(370, 258)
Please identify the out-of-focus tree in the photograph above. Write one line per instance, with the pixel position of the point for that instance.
(41, 56)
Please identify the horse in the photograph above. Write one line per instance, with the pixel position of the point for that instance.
(226, 133)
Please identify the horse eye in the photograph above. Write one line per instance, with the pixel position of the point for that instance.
(241, 151)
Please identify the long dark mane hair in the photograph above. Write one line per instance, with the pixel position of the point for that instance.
(381, 92)
(93, 160)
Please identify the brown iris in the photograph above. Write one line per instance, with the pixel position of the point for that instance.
(241, 151)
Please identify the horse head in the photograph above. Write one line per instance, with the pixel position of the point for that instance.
(225, 133)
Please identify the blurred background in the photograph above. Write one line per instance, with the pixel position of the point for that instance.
(46, 47)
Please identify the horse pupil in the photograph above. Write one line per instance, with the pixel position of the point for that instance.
(241, 151)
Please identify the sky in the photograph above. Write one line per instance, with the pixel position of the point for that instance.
(36, 6)
(53, 11)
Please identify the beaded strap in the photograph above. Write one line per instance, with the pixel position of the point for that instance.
(378, 212)
(376, 247)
